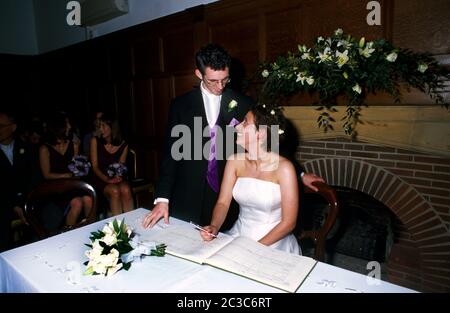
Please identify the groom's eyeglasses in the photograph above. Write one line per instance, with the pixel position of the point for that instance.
(211, 82)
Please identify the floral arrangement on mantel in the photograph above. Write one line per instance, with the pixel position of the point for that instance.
(344, 66)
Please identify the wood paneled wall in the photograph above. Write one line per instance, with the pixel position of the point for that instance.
(137, 71)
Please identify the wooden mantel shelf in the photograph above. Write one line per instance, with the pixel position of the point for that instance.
(418, 128)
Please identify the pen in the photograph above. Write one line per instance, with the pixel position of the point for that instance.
(202, 229)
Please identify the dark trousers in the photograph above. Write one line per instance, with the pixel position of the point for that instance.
(5, 228)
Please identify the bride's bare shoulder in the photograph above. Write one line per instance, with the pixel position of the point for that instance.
(285, 166)
(237, 157)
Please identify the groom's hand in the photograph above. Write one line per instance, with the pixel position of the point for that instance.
(161, 209)
(309, 179)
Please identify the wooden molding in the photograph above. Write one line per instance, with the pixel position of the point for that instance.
(417, 128)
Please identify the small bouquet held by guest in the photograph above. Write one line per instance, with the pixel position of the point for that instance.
(117, 170)
(79, 166)
(115, 247)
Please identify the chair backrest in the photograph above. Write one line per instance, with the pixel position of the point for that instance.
(139, 185)
(319, 236)
(132, 164)
(47, 191)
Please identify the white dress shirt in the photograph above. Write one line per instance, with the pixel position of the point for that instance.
(212, 105)
(8, 150)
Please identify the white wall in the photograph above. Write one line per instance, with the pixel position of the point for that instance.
(38, 26)
(52, 30)
(141, 11)
(17, 27)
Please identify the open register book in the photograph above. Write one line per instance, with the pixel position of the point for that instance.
(241, 255)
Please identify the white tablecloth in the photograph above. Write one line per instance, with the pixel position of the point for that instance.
(56, 265)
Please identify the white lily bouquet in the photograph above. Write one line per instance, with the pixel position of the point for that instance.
(115, 247)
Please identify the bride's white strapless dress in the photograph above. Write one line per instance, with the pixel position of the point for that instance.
(259, 212)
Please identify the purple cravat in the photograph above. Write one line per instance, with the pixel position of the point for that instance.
(212, 174)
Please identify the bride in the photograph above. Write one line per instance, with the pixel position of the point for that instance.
(262, 182)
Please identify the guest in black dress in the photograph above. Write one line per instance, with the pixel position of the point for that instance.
(110, 148)
(54, 158)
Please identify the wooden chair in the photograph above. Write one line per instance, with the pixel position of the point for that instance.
(47, 191)
(17, 229)
(138, 184)
(319, 236)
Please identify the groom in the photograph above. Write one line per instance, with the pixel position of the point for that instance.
(190, 186)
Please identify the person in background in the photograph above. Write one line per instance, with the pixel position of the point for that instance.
(54, 158)
(18, 176)
(110, 148)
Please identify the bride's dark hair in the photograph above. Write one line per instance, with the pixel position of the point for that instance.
(269, 115)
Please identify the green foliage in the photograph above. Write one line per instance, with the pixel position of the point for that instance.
(343, 66)
(160, 250)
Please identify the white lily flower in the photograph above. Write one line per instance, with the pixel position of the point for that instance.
(93, 254)
(305, 56)
(302, 48)
(325, 56)
(342, 58)
(392, 56)
(366, 52)
(338, 32)
(265, 73)
(357, 88)
(99, 268)
(129, 231)
(110, 239)
(114, 269)
(112, 258)
(108, 230)
(310, 80)
(96, 246)
(301, 77)
(422, 67)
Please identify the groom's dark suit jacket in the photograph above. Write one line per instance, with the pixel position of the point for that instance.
(16, 181)
(183, 182)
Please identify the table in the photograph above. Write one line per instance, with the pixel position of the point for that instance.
(56, 265)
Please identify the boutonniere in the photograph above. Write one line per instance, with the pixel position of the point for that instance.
(232, 105)
(22, 151)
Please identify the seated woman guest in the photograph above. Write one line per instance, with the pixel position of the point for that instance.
(108, 149)
(262, 182)
(54, 158)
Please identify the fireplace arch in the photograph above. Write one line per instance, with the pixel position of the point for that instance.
(428, 236)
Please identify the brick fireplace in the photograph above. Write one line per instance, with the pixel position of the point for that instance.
(415, 186)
